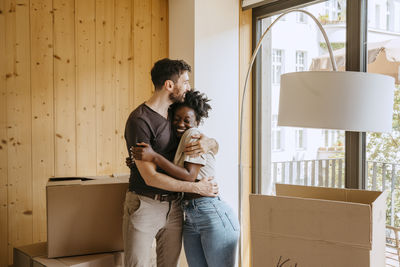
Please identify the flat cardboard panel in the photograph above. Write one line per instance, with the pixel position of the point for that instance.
(98, 260)
(95, 260)
(378, 230)
(310, 192)
(345, 229)
(269, 251)
(85, 218)
(23, 255)
(332, 221)
(325, 193)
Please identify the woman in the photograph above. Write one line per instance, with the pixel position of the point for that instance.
(211, 230)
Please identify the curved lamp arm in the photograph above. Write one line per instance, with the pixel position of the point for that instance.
(244, 94)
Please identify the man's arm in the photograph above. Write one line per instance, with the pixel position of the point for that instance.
(147, 170)
(144, 152)
(201, 146)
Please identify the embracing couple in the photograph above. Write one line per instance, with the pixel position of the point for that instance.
(172, 191)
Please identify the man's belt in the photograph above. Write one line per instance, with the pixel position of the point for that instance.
(161, 197)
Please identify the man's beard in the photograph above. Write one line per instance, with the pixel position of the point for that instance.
(175, 98)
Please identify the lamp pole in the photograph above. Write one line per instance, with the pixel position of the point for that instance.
(253, 57)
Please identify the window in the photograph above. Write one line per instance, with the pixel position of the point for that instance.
(333, 138)
(389, 16)
(301, 17)
(333, 10)
(277, 65)
(301, 60)
(377, 16)
(277, 134)
(383, 149)
(300, 139)
(277, 147)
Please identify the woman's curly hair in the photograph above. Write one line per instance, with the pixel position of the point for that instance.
(196, 101)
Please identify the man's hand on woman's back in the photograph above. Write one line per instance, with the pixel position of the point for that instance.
(206, 187)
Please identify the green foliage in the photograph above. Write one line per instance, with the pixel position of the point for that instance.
(385, 148)
(335, 46)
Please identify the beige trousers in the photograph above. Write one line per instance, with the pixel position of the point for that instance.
(146, 219)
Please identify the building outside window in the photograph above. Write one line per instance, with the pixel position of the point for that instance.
(389, 16)
(277, 132)
(277, 65)
(301, 137)
(301, 64)
(332, 138)
(301, 18)
(377, 16)
(333, 10)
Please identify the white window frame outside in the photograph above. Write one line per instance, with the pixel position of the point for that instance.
(301, 60)
(277, 64)
(301, 139)
(276, 134)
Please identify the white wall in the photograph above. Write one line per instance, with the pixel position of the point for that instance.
(212, 48)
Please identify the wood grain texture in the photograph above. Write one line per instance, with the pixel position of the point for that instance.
(64, 87)
(159, 29)
(85, 47)
(3, 141)
(123, 40)
(42, 92)
(67, 85)
(18, 124)
(142, 85)
(105, 86)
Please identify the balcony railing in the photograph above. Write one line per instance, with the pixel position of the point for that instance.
(330, 173)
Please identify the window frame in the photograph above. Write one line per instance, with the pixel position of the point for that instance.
(276, 64)
(356, 54)
(304, 64)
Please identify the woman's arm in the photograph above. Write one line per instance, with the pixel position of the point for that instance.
(201, 146)
(144, 152)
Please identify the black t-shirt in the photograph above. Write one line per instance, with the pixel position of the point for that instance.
(148, 126)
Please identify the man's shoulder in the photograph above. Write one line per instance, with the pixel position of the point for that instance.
(138, 112)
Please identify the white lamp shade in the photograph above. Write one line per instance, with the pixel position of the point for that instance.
(351, 101)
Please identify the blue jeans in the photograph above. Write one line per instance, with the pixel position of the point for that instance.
(210, 232)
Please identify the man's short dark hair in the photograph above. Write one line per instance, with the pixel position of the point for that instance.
(168, 69)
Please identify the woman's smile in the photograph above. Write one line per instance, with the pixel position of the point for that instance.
(184, 118)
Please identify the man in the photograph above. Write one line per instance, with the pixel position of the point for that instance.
(152, 204)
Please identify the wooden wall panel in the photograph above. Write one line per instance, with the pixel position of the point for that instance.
(123, 41)
(159, 29)
(105, 86)
(64, 87)
(85, 47)
(18, 124)
(42, 92)
(3, 142)
(142, 55)
(73, 71)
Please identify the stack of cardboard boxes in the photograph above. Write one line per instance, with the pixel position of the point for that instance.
(84, 224)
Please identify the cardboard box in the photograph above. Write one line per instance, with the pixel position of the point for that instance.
(23, 255)
(35, 255)
(94, 260)
(314, 226)
(84, 215)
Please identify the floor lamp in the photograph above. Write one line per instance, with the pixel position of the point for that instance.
(350, 101)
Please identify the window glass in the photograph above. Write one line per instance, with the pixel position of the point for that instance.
(296, 155)
(383, 149)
